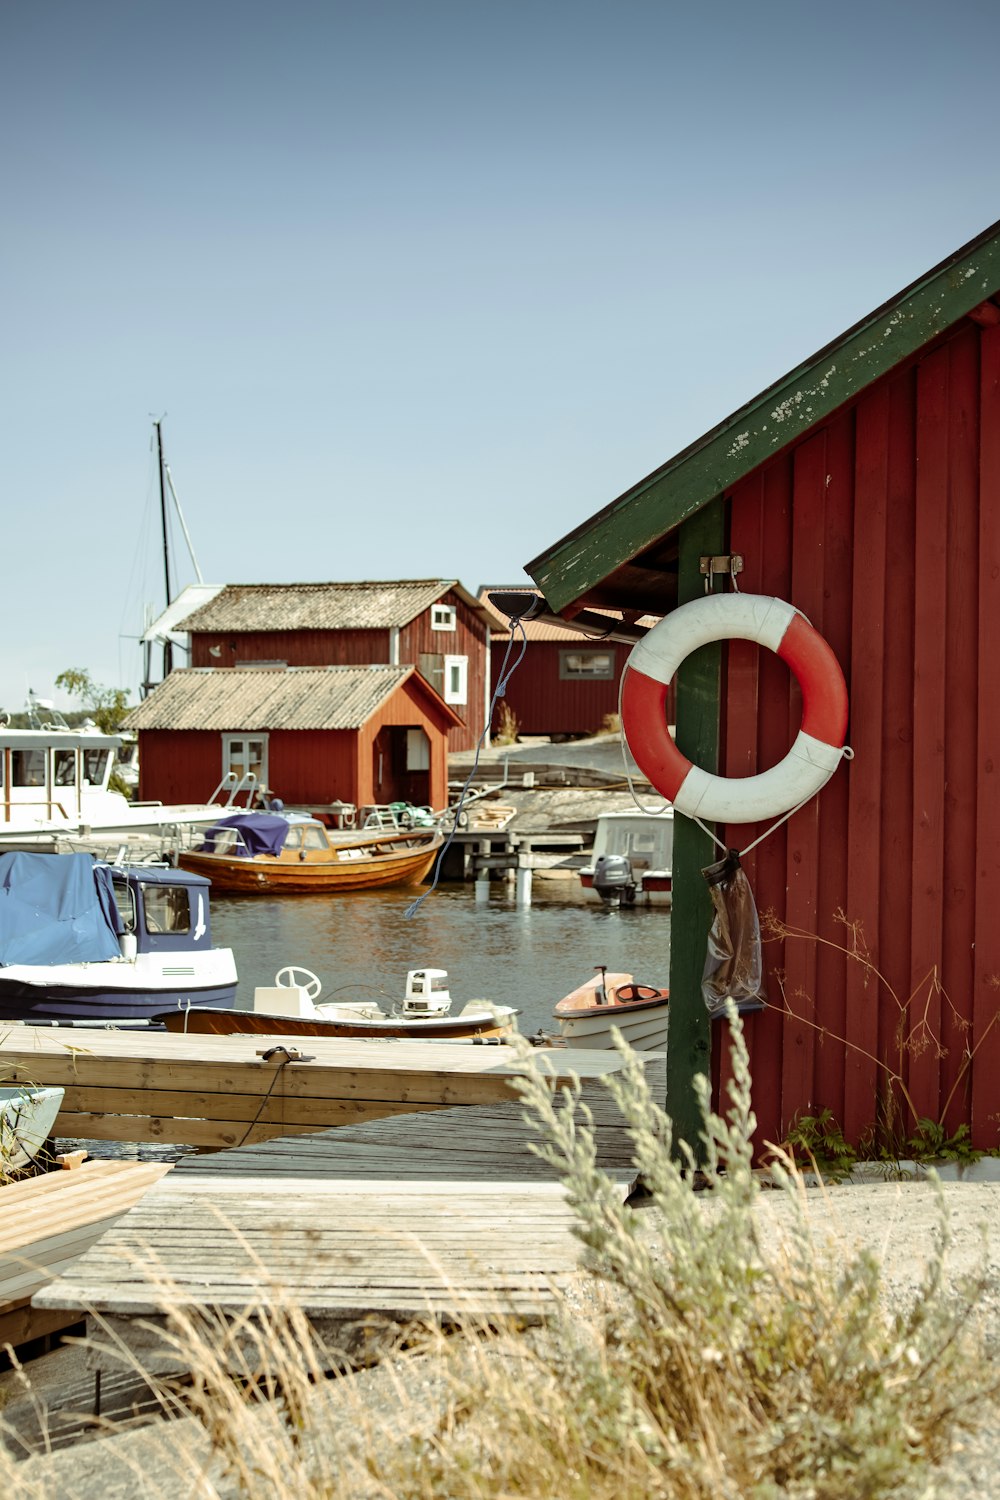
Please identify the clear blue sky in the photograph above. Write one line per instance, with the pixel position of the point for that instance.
(419, 285)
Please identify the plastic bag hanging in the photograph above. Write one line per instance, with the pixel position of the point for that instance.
(734, 965)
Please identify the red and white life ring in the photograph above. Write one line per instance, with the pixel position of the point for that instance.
(819, 744)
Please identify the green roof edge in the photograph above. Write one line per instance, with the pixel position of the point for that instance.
(769, 422)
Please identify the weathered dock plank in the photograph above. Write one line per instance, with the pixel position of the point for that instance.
(220, 1091)
(348, 1258)
(494, 1145)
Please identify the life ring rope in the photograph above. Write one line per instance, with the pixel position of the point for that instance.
(818, 747)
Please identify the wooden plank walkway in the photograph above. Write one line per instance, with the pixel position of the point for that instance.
(435, 1217)
(448, 1146)
(220, 1091)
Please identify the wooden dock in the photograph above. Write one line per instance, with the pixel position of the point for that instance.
(218, 1092)
(436, 1217)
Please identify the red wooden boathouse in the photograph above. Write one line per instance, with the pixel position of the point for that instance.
(432, 624)
(864, 488)
(315, 736)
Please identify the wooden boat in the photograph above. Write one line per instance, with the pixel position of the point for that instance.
(587, 1014)
(268, 852)
(288, 1008)
(27, 1117)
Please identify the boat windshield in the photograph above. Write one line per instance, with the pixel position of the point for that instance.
(167, 908)
(95, 766)
(125, 902)
(648, 844)
(64, 767)
(306, 836)
(27, 768)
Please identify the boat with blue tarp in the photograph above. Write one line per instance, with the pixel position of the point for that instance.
(86, 941)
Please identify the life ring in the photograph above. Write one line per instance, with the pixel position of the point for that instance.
(818, 747)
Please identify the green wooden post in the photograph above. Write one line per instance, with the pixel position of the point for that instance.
(699, 681)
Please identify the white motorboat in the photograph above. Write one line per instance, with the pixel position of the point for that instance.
(289, 1008)
(83, 942)
(632, 861)
(55, 781)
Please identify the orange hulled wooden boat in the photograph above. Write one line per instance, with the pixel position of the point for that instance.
(267, 852)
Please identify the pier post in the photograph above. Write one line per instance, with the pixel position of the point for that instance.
(523, 896)
(699, 685)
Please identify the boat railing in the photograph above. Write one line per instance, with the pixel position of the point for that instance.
(232, 785)
(16, 806)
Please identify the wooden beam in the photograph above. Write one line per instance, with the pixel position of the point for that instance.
(698, 689)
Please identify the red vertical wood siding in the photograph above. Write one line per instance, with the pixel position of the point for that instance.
(544, 703)
(467, 639)
(305, 767)
(985, 1034)
(883, 526)
(297, 648)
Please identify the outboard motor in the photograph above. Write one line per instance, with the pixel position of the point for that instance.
(613, 879)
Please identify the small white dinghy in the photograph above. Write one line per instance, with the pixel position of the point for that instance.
(587, 1014)
(27, 1118)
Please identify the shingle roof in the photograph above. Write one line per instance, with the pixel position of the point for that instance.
(233, 698)
(323, 606)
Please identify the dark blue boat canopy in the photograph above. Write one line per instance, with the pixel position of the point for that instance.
(260, 833)
(56, 909)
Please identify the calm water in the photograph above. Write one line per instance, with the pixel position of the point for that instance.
(363, 944)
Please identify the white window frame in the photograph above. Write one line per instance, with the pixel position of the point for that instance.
(228, 740)
(459, 666)
(583, 656)
(444, 617)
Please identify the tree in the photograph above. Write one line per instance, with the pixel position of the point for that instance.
(106, 706)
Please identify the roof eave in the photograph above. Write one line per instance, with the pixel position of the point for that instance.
(576, 564)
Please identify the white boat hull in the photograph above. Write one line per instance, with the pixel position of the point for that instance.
(645, 1031)
(27, 1118)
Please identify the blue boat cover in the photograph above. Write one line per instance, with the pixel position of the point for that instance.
(56, 909)
(260, 833)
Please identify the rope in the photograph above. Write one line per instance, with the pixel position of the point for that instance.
(266, 1056)
(848, 754)
(516, 625)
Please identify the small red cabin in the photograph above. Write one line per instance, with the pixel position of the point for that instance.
(863, 488)
(313, 735)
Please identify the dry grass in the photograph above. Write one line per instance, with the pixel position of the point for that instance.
(507, 728)
(701, 1365)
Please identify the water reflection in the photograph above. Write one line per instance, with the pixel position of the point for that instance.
(364, 944)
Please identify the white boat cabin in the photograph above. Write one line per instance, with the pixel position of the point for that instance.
(632, 857)
(55, 780)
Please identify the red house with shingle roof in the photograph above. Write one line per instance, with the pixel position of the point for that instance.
(434, 625)
(313, 735)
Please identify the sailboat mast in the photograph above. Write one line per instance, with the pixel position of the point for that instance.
(168, 648)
